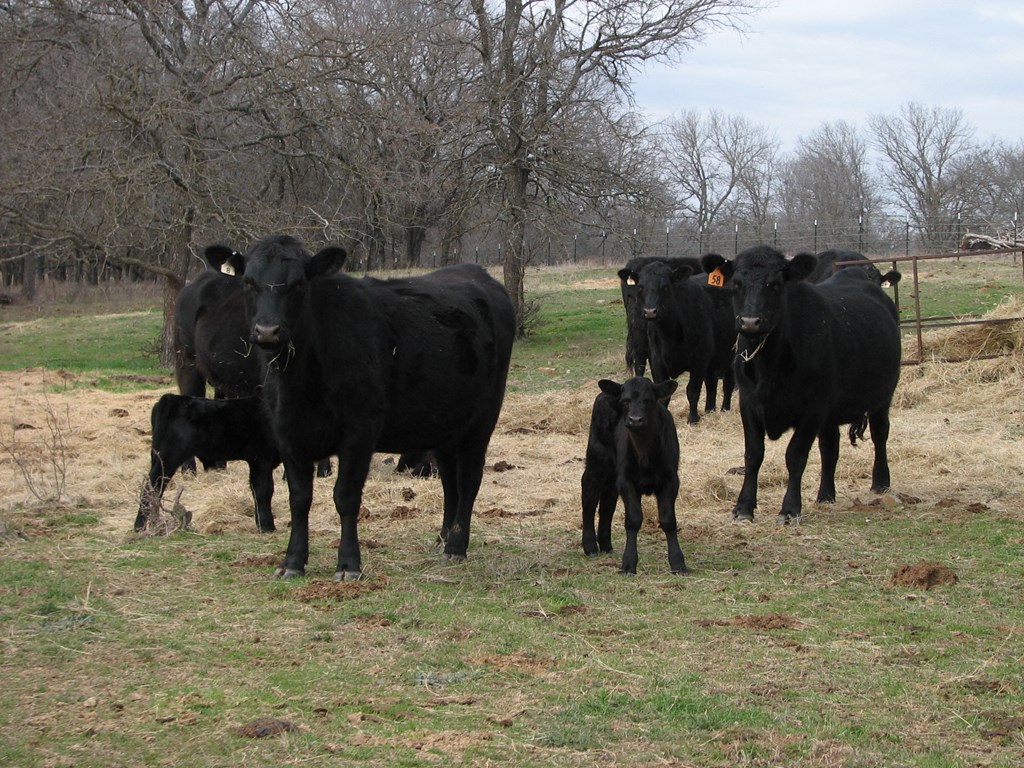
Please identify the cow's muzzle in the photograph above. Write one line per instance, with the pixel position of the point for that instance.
(266, 335)
(650, 314)
(751, 326)
(634, 422)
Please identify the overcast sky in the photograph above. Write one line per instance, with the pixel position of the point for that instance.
(806, 62)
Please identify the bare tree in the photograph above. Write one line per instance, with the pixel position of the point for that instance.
(829, 180)
(542, 61)
(721, 168)
(923, 166)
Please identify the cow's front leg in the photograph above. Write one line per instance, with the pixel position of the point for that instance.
(796, 461)
(753, 457)
(668, 524)
(300, 498)
(353, 467)
(634, 518)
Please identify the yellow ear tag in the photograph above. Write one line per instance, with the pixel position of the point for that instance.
(716, 278)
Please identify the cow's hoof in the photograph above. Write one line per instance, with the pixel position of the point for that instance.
(288, 573)
(348, 575)
(743, 517)
(788, 519)
(453, 558)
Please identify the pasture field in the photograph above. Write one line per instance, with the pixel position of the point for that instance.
(883, 631)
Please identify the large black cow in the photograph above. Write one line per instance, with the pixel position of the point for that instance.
(211, 337)
(362, 365)
(831, 261)
(680, 315)
(638, 351)
(215, 431)
(810, 358)
(632, 451)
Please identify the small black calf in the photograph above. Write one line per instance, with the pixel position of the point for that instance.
(215, 431)
(632, 451)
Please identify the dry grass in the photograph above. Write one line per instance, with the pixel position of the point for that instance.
(956, 433)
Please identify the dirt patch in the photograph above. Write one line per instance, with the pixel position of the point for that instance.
(265, 726)
(330, 590)
(924, 575)
(758, 622)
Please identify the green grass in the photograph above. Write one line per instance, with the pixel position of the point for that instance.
(155, 650)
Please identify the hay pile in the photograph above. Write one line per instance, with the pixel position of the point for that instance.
(976, 341)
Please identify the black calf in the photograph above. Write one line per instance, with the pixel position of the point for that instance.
(632, 451)
(215, 431)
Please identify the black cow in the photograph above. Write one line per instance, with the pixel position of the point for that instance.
(831, 261)
(211, 338)
(810, 358)
(363, 365)
(638, 351)
(679, 313)
(632, 451)
(215, 431)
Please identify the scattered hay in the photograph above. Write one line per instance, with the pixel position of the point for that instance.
(924, 575)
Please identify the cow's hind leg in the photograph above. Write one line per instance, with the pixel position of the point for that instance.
(590, 494)
(605, 513)
(261, 483)
(469, 464)
(879, 423)
(828, 449)
(710, 393)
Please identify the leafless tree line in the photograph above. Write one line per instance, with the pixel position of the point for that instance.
(136, 132)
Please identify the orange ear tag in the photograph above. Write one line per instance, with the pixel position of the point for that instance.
(716, 278)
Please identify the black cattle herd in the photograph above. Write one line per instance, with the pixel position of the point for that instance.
(307, 362)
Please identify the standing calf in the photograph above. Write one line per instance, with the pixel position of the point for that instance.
(632, 451)
(215, 431)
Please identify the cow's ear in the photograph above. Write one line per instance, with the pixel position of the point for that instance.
(610, 388)
(219, 255)
(800, 266)
(709, 262)
(237, 263)
(629, 277)
(663, 390)
(680, 272)
(326, 261)
(890, 278)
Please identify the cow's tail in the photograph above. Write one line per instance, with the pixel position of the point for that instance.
(858, 428)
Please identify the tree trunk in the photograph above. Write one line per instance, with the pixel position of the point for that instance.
(514, 263)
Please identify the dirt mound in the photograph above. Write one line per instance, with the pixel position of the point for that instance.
(761, 622)
(924, 575)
